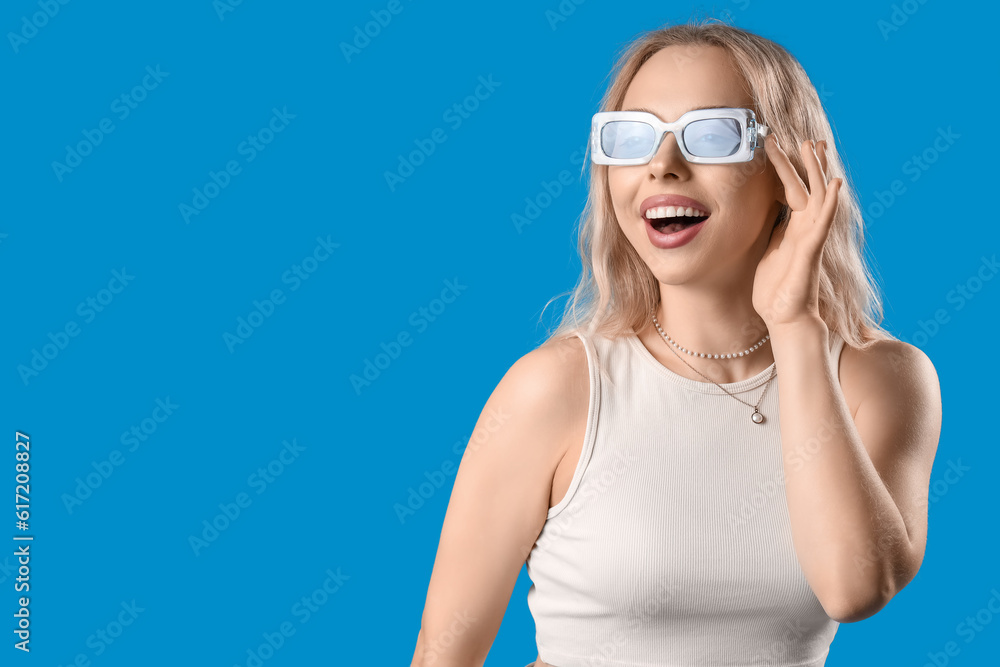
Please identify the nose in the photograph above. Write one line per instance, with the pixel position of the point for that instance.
(668, 159)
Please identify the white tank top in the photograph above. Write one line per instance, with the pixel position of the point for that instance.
(672, 546)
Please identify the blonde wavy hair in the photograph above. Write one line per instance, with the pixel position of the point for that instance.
(616, 292)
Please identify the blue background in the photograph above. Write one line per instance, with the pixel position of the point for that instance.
(323, 177)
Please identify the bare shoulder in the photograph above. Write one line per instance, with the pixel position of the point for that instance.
(552, 385)
(532, 416)
(889, 368)
(555, 366)
(541, 407)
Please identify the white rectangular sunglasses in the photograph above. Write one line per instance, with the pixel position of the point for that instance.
(710, 136)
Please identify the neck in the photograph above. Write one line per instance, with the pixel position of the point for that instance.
(709, 322)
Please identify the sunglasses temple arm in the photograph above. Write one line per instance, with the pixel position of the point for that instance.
(762, 131)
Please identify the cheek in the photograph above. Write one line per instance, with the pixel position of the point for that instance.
(623, 192)
(746, 176)
(748, 193)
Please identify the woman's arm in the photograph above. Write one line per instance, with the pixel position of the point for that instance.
(418, 654)
(499, 503)
(856, 485)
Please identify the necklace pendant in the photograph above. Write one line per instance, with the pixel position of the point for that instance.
(757, 417)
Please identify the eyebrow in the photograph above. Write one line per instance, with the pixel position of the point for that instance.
(706, 106)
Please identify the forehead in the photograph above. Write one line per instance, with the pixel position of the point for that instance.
(682, 77)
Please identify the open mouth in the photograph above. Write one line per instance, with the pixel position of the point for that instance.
(669, 225)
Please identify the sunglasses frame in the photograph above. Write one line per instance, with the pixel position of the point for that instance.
(753, 134)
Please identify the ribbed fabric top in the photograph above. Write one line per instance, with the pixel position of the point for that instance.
(672, 546)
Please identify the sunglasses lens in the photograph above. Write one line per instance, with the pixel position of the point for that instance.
(713, 137)
(624, 139)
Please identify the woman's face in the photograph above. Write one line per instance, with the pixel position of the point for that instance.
(742, 199)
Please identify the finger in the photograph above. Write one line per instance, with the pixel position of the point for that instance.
(795, 190)
(822, 157)
(817, 184)
(814, 241)
(830, 205)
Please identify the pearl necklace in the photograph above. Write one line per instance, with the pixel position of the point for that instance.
(733, 355)
(756, 417)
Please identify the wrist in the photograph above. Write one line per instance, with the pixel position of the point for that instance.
(811, 327)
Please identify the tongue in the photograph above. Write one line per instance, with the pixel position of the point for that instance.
(672, 227)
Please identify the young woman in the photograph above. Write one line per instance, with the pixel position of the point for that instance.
(719, 455)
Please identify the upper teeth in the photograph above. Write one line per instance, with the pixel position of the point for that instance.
(673, 212)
